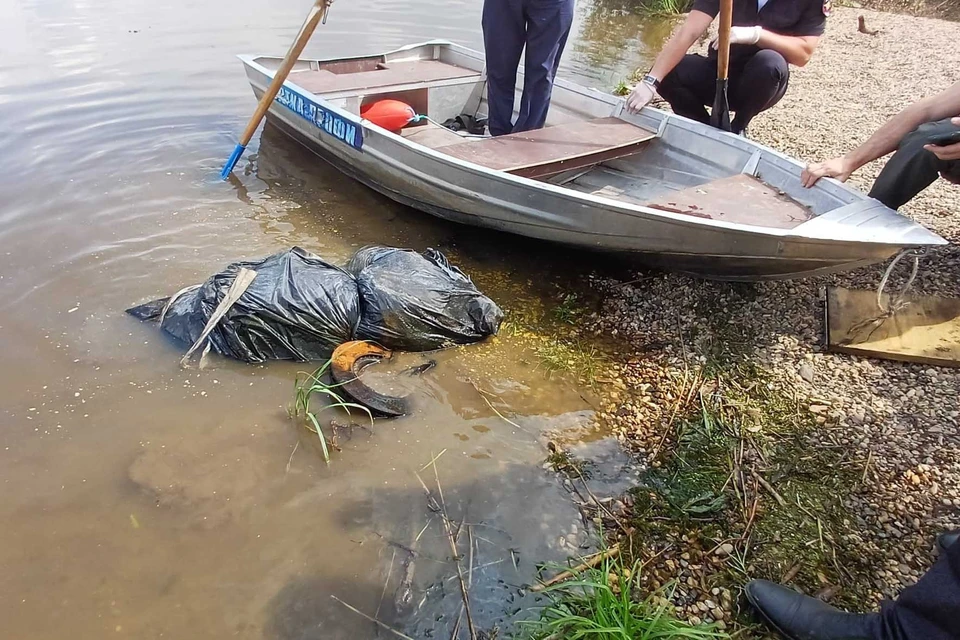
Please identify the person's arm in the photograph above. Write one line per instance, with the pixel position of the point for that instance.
(797, 50)
(887, 138)
(695, 25)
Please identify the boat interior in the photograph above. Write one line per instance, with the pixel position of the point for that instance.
(587, 145)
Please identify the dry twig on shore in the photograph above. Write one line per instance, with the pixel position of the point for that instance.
(766, 485)
(588, 564)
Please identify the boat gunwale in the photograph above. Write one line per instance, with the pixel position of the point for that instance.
(581, 197)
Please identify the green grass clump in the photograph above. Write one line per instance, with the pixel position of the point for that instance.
(738, 428)
(622, 88)
(562, 462)
(570, 356)
(605, 602)
(313, 385)
(568, 311)
(665, 7)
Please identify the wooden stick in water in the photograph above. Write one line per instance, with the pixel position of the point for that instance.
(317, 13)
(372, 619)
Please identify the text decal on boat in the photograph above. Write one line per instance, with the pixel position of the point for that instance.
(328, 121)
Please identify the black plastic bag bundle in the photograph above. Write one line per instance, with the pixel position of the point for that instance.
(414, 302)
(299, 307)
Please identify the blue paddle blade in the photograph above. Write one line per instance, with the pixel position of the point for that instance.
(232, 161)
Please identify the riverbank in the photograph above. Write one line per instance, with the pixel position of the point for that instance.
(924, 8)
(769, 458)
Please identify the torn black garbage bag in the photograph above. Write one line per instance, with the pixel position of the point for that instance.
(298, 307)
(414, 302)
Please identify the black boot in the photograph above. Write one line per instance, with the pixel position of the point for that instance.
(800, 617)
(946, 539)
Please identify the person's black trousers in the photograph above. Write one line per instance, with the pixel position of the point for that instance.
(542, 26)
(927, 610)
(757, 81)
(912, 168)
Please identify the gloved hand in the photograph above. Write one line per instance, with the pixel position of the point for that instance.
(640, 97)
(741, 35)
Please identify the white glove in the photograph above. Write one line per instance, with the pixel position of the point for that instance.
(741, 35)
(640, 97)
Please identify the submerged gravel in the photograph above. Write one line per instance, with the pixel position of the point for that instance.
(899, 421)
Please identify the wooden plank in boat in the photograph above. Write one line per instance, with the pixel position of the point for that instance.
(927, 330)
(742, 199)
(393, 73)
(555, 149)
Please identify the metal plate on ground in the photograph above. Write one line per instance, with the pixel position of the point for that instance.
(926, 330)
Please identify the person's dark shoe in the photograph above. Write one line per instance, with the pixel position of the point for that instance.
(799, 617)
(947, 539)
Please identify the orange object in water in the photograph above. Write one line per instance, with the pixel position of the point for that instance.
(392, 115)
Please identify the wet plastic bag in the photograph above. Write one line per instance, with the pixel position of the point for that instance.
(298, 307)
(414, 302)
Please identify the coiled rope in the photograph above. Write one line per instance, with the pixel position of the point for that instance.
(896, 303)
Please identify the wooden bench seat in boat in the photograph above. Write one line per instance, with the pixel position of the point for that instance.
(554, 149)
(741, 198)
(389, 75)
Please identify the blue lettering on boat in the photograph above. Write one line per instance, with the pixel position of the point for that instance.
(326, 120)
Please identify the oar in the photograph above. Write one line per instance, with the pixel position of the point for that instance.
(317, 13)
(720, 115)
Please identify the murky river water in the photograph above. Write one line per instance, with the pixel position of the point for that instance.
(145, 501)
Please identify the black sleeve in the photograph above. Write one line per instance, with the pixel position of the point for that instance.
(709, 7)
(813, 20)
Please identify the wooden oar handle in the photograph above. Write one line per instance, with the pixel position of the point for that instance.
(723, 45)
(316, 14)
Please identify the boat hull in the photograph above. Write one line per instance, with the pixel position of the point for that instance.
(464, 193)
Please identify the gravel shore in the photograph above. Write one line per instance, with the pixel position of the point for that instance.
(895, 424)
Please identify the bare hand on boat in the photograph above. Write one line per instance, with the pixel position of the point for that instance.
(834, 168)
(741, 35)
(640, 97)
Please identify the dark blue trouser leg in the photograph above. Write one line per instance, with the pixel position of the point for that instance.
(504, 35)
(927, 610)
(548, 25)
